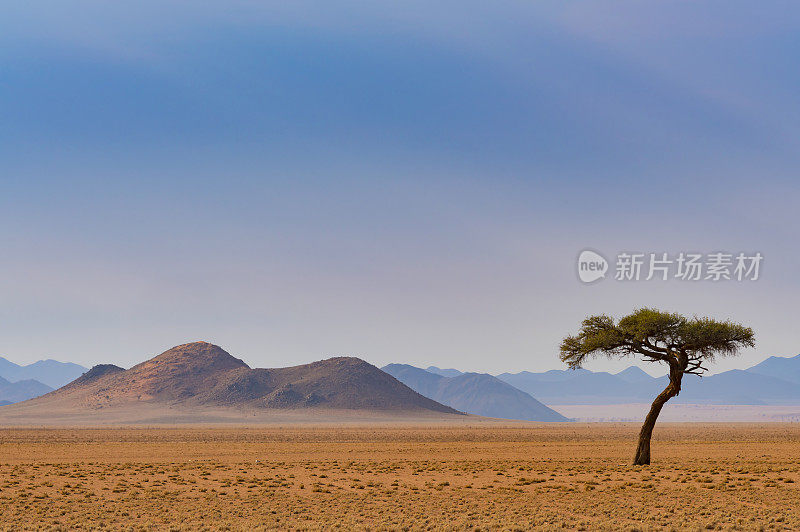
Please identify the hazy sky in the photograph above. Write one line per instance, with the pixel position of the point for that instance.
(399, 181)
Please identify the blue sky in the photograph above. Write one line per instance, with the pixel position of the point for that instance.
(404, 182)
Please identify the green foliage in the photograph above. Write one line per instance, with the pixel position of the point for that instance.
(656, 336)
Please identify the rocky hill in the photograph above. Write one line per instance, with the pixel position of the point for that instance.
(200, 374)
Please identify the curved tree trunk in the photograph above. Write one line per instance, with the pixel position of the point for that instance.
(672, 389)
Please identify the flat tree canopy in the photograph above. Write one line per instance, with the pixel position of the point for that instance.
(684, 344)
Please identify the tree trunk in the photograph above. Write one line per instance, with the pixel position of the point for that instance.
(672, 389)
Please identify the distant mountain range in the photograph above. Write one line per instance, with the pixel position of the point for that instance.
(50, 372)
(12, 392)
(776, 381)
(786, 369)
(444, 372)
(18, 383)
(474, 393)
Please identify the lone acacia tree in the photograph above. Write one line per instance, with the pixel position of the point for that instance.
(682, 343)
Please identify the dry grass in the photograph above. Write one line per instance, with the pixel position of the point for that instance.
(514, 478)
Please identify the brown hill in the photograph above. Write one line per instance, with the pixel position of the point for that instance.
(200, 375)
(100, 370)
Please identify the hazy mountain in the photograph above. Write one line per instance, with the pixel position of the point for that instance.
(582, 387)
(444, 372)
(474, 393)
(419, 380)
(634, 374)
(12, 392)
(787, 369)
(200, 374)
(738, 387)
(553, 375)
(7, 367)
(775, 381)
(50, 372)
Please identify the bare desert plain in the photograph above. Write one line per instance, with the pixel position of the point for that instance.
(468, 476)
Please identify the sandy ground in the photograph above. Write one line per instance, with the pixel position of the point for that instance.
(682, 413)
(401, 477)
(30, 414)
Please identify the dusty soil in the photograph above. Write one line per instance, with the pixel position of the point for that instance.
(679, 413)
(401, 477)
